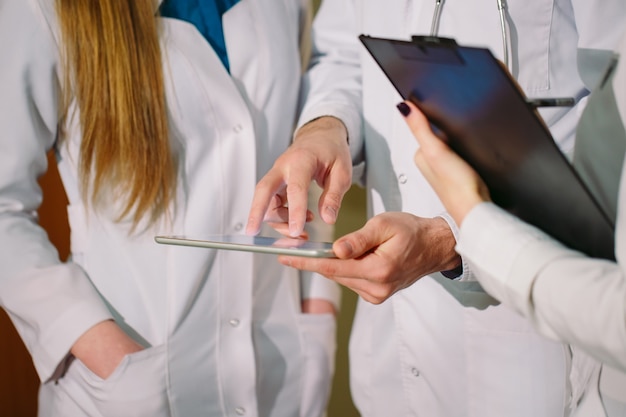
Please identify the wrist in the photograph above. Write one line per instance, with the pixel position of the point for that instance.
(451, 265)
(454, 272)
(327, 124)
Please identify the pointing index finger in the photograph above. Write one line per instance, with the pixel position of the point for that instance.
(267, 187)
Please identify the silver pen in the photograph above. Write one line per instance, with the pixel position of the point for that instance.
(551, 102)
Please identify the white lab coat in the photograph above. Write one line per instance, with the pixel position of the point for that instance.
(442, 347)
(224, 330)
(569, 296)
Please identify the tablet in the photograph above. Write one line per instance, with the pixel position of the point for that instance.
(259, 244)
(470, 98)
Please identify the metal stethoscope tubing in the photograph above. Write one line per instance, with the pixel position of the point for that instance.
(434, 28)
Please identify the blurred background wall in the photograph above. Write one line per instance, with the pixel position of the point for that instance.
(351, 217)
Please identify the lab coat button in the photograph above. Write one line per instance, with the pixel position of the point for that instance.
(237, 128)
(234, 322)
(402, 178)
(240, 411)
(415, 372)
(238, 227)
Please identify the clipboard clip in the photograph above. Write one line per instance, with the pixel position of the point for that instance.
(433, 40)
(431, 49)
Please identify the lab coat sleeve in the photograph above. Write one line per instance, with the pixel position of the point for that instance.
(567, 295)
(332, 84)
(466, 274)
(50, 303)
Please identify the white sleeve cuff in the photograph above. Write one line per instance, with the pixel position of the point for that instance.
(51, 310)
(505, 253)
(466, 275)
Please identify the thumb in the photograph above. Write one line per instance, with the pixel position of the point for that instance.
(358, 243)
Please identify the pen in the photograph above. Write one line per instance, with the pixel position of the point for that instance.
(551, 102)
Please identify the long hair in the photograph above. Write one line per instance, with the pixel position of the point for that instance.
(112, 65)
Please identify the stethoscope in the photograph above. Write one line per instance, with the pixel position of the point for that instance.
(434, 28)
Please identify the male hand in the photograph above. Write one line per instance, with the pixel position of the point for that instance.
(320, 153)
(391, 252)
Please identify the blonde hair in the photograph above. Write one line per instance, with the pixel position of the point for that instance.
(112, 62)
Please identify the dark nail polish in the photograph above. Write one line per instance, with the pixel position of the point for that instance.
(404, 108)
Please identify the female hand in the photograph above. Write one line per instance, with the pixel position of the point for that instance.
(102, 348)
(456, 183)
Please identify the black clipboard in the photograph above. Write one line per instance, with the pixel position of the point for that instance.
(468, 95)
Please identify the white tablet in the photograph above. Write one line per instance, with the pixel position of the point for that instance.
(259, 244)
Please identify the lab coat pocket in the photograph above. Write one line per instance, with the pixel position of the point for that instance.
(532, 44)
(318, 333)
(136, 388)
(513, 371)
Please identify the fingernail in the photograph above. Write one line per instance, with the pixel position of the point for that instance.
(404, 108)
(331, 213)
(346, 248)
(293, 229)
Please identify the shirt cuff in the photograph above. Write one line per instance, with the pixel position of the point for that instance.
(51, 320)
(464, 272)
(506, 253)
